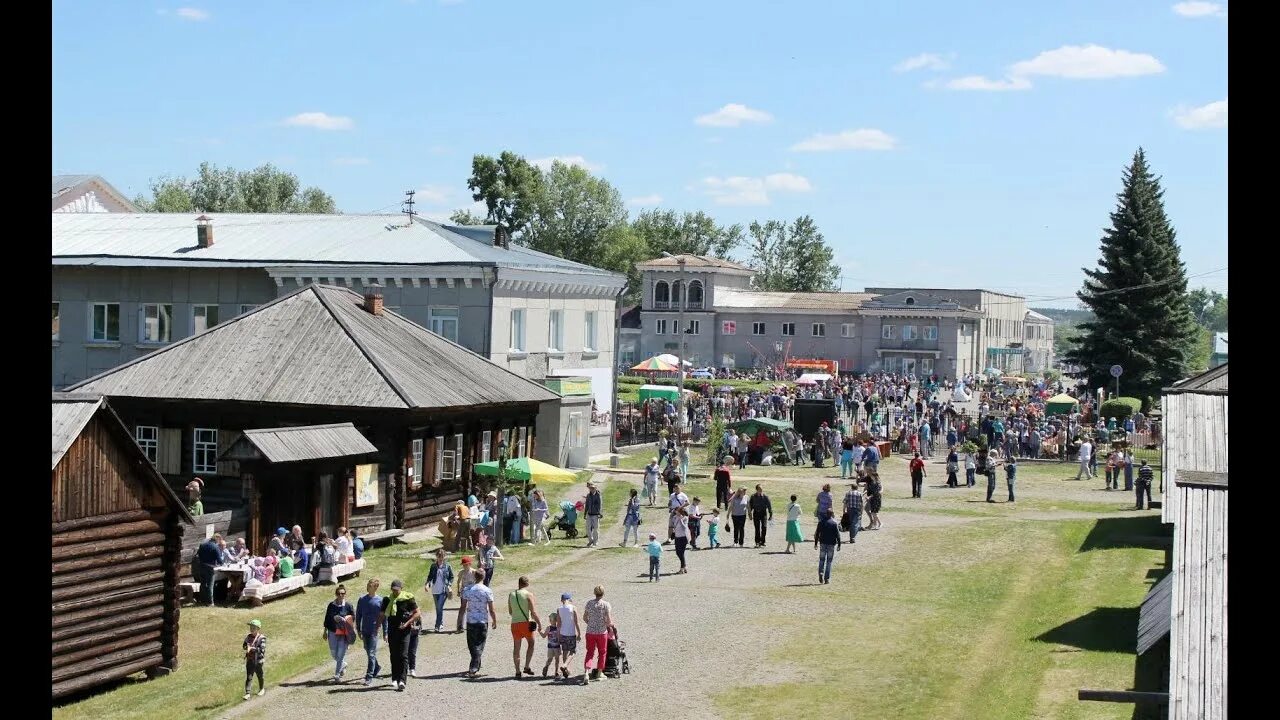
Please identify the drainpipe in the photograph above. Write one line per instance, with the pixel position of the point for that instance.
(490, 278)
(617, 349)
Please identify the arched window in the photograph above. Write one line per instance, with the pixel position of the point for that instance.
(661, 294)
(677, 293)
(695, 294)
(911, 300)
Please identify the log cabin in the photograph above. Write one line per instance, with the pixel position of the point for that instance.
(117, 536)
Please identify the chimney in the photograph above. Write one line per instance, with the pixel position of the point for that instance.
(373, 299)
(500, 238)
(204, 231)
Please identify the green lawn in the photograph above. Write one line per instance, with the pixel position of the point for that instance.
(211, 673)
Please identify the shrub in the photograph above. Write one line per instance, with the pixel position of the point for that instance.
(1119, 408)
(715, 439)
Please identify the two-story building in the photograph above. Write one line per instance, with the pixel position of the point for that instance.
(919, 331)
(1039, 342)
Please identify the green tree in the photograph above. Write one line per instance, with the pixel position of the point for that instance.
(1202, 302)
(765, 240)
(465, 217)
(509, 186)
(1216, 318)
(791, 258)
(574, 215)
(1138, 294)
(691, 233)
(265, 189)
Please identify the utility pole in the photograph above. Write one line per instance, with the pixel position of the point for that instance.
(407, 208)
(684, 293)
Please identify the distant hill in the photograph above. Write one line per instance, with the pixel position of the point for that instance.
(1066, 317)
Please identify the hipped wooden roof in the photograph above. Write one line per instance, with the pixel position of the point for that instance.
(307, 442)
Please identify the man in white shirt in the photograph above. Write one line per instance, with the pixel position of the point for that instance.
(1086, 454)
(511, 516)
(677, 500)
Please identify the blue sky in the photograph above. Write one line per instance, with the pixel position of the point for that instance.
(935, 143)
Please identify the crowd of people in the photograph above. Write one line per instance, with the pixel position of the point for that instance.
(286, 554)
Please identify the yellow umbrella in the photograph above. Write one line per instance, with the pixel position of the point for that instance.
(528, 470)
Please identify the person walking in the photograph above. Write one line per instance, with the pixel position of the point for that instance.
(713, 530)
(793, 525)
(1127, 461)
(570, 631)
(599, 616)
(853, 503)
(399, 612)
(761, 515)
(993, 461)
(339, 630)
(970, 468)
(1011, 474)
(538, 519)
(368, 624)
(875, 496)
(1145, 477)
(654, 550)
(695, 521)
(738, 512)
(723, 483)
(651, 472)
(1086, 457)
(255, 657)
(477, 603)
(440, 585)
(846, 459)
(823, 502)
(677, 500)
(681, 530)
(594, 509)
(631, 522)
(207, 557)
(826, 538)
(524, 623)
(953, 467)
(552, 634)
(917, 475)
(684, 465)
(466, 578)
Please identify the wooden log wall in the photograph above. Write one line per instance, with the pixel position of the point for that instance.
(111, 571)
(372, 518)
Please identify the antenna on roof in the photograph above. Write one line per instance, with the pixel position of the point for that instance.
(408, 206)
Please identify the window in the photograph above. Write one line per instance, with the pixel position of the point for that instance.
(788, 328)
(517, 330)
(728, 327)
(157, 324)
(55, 320)
(660, 327)
(908, 332)
(148, 437)
(457, 453)
(247, 307)
(205, 451)
(930, 332)
(415, 476)
(486, 443)
(661, 294)
(695, 295)
(444, 462)
(911, 300)
(818, 330)
(966, 329)
(846, 330)
(444, 322)
(757, 328)
(105, 326)
(886, 332)
(693, 326)
(524, 436)
(590, 330)
(677, 292)
(203, 317)
(555, 331)
(926, 366)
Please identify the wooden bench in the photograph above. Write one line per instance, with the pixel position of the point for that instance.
(372, 539)
(339, 572)
(189, 590)
(257, 593)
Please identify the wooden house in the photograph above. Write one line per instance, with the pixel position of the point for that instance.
(417, 412)
(117, 535)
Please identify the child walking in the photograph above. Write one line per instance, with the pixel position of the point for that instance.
(255, 654)
(713, 529)
(654, 548)
(552, 634)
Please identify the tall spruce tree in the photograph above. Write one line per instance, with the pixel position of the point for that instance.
(1138, 295)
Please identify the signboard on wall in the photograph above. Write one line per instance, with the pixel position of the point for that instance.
(366, 485)
(569, 385)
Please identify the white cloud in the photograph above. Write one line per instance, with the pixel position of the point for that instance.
(978, 82)
(434, 195)
(643, 200)
(860, 139)
(740, 190)
(320, 121)
(351, 161)
(1196, 8)
(193, 14)
(544, 164)
(1087, 62)
(733, 115)
(923, 61)
(1213, 115)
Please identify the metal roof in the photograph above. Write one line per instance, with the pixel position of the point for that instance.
(1154, 617)
(1213, 381)
(727, 297)
(693, 261)
(258, 240)
(1037, 317)
(71, 412)
(65, 184)
(319, 346)
(309, 442)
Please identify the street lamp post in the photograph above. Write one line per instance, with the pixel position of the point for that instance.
(680, 331)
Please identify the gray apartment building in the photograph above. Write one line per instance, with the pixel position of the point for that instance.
(125, 284)
(1039, 342)
(914, 330)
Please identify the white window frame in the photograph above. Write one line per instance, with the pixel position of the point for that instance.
(144, 323)
(555, 331)
(106, 322)
(847, 330)
(589, 330)
(524, 436)
(204, 314)
(926, 366)
(199, 446)
(457, 449)
(440, 466)
(439, 316)
(910, 332)
(486, 442)
(788, 329)
(660, 327)
(693, 327)
(415, 479)
(758, 328)
(886, 332)
(930, 332)
(728, 327)
(517, 331)
(148, 438)
(818, 329)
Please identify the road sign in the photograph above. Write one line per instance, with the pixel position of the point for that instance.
(1116, 371)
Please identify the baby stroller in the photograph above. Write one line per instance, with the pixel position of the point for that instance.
(615, 659)
(566, 521)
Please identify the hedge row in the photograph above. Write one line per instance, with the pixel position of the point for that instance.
(1120, 408)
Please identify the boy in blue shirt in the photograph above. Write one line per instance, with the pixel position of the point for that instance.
(654, 548)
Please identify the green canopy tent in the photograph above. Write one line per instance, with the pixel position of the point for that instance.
(666, 392)
(1062, 404)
